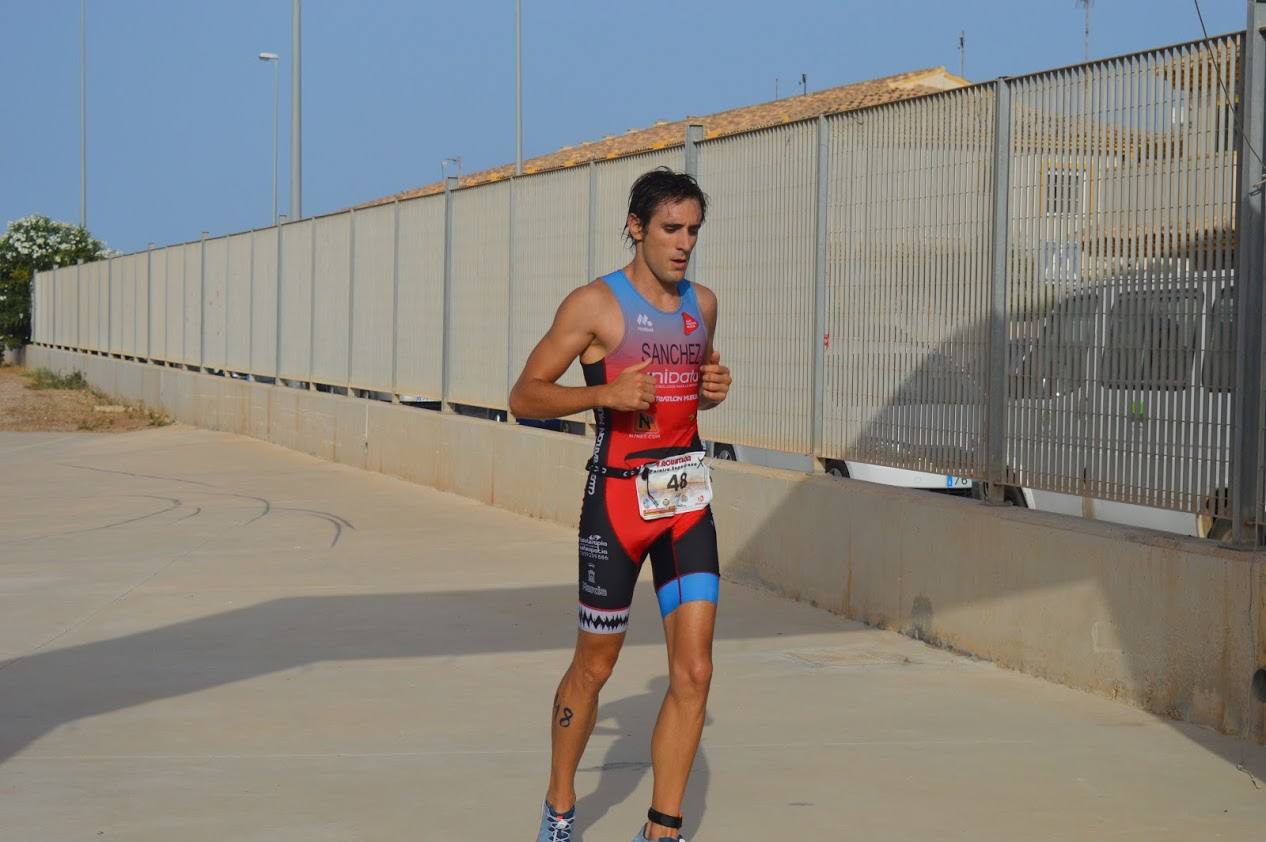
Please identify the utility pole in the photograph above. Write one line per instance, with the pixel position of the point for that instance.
(83, 114)
(296, 116)
(518, 87)
(1086, 4)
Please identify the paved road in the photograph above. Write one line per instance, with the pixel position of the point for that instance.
(204, 637)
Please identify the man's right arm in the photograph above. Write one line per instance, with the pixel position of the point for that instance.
(537, 395)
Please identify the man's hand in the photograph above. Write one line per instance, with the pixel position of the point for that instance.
(632, 390)
(716, 381)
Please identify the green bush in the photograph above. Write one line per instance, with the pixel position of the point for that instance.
(35, 244)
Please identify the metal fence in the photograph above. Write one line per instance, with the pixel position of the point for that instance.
(1029, 282)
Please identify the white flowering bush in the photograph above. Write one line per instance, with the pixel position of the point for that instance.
(33, 244)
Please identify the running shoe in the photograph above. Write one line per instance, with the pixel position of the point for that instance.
(557, 827)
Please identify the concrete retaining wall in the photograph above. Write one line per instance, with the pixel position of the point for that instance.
(1170, 624)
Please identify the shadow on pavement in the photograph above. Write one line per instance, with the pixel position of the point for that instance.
(48, 689)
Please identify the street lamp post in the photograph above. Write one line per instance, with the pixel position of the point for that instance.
(83, 113)
(518, 87)
(296, 111)
(274, 58)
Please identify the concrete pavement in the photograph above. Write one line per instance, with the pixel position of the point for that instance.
(205, 637)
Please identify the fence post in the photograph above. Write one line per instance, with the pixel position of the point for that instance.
(202, 302)
(224, 305)
(447, 357)
(185, 353)
(109, 343)
(694, 134)
(79, 272)
(591, 257)
(995, 437)
(395, 303)
(250, 316)
(351, 294)
(149, 302)
(281, 265)
(1246, 401)
(510, 295)
(819, 285)
(312, 238)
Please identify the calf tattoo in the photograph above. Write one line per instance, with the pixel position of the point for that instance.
(567, 713)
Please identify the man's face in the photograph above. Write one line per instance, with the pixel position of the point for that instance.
(669, 238)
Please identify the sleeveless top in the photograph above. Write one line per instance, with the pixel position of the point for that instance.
(675, 344)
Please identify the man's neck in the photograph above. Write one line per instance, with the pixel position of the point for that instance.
(652, 288)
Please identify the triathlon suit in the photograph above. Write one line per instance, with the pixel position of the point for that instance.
(614, 539)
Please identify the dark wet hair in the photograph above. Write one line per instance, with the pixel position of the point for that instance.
(661, 185)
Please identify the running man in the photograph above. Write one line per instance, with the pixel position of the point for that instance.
(644, 338)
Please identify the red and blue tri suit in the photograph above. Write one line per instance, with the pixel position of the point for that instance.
(614, 539)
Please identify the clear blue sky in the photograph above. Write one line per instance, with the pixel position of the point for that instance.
(180, 109)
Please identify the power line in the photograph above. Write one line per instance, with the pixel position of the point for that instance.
(1227, 95)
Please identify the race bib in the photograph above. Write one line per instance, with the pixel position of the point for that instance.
(674, 486)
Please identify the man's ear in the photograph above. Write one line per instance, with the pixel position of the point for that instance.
(635, 228)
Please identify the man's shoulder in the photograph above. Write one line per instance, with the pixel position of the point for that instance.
(707, 298)
(595, 294)
(587, 302)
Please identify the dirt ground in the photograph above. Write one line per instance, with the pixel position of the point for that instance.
(23, 409)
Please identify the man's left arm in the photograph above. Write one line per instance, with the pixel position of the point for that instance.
(715, 378)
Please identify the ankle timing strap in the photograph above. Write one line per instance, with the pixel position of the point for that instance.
(664, 820)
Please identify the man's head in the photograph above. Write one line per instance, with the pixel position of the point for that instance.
(666, 210)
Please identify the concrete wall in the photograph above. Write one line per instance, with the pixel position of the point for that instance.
(1170, 624)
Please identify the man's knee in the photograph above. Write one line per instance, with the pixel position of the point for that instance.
(691, 676)
(592, 669)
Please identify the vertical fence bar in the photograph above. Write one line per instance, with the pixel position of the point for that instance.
(351, 294)
(819, 283)
(996, 391)
(149, 301)
(395, 302)
(202, 301)
(79, 270)
(250, 311)
(510, 293)
(228, 285)
(312, 303)
(1246, 413)
(109, 307)
(694, 135)
(109, 343)
(281, 264)
(591, 258)
(447, 358)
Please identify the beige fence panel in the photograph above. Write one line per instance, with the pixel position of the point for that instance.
(551, 250)
(373, 298)
(263, 359)
(296, 300)
(331, 290)
(480, 296)
(756, 252)
(909, 221)
(237, 304)
(420, 310)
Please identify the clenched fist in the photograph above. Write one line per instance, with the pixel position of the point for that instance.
(716, 380)
(632, 390)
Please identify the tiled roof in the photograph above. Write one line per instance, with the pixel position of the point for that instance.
(665, 135)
